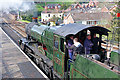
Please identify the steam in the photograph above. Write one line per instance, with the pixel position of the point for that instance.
(16, 5)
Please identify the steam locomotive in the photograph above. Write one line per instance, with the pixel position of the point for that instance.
(45, 45)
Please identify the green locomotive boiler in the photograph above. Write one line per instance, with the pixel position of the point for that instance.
(46, 46)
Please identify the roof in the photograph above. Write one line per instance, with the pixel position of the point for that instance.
(74, 11)
(77, 27)
(13, 13)
(52, 11)
(107, 5)
(110, 6)
(53, 5)
(91, 16)
(93, 10)
(75, 4)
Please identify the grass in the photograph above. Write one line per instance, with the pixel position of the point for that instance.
(24, 21)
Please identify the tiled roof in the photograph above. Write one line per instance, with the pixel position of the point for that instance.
(13, 12)
(52, 11)
(94, 10)
(53, 5)
(91, 16)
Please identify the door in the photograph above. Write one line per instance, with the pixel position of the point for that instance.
(58, 56)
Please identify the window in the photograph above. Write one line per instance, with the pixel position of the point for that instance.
(48, 6)
(90, 22)
(59, 6)
(80, 22)
(56, 42)
(62, 44)
(95, 22)
(48, 15)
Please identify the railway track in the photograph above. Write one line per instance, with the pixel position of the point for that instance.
(16, 26)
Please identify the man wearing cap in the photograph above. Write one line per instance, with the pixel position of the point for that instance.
(88, 44)
(95, 42)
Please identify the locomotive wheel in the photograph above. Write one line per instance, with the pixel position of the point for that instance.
(50, 74)
(22, 47)
(53, 78)
(37, 61)
(29, 55)
(28, 37)
(42, 65)
(46, 69)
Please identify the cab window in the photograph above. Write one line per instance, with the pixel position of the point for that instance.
(62, 44)
(56, 42)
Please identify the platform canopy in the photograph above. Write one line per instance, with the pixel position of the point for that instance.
(74, 28)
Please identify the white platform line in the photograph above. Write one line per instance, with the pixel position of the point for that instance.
(26, 56)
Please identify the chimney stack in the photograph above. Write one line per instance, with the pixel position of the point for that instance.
(70, 8)
(56, 8)
(46, 9)
(34, 18)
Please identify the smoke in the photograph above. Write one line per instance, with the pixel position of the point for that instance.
(16, 5)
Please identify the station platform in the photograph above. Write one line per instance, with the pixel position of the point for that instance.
(14, 63)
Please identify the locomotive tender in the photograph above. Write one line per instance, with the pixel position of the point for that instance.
(46, 46)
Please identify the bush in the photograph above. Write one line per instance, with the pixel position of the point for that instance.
(28, 17)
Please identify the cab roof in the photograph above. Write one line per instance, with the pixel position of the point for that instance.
(74, 28)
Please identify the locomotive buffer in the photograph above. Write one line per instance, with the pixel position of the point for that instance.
(15, 64)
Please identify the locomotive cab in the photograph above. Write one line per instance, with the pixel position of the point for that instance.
(82, 63)
(101, 54)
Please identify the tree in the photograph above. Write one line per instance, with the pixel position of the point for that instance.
(27, 17)
(54, 18)
(64, 6)
(116, 21)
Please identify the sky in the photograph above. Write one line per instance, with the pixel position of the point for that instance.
(22, 5)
